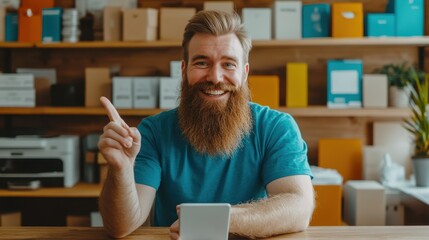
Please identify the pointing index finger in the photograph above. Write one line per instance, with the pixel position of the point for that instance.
(111, 110)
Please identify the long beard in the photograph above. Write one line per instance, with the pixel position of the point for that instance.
(214, 127)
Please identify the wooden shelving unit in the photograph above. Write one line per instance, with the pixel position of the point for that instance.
(312, 111)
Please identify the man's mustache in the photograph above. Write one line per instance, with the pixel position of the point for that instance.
(211, 86)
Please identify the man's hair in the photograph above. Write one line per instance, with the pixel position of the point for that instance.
(216, 23)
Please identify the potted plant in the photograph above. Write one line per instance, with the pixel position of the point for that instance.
(400, 79)
(418, 126)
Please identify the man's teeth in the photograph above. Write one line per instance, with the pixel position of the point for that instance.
(214, 92)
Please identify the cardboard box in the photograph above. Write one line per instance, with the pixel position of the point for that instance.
(17, 98)
(51, 24)
(380, 25)
(146, 92)
(169, 92)
(226, 6)
(343, 155)
(140, 24)
(396, 140)
(112, 24)
(97, 83)
(173, 22)
(316, 20)
(287, 17)
(296, 85)
(344, 84)
(328, 206)
(409, 17)
(364, 203)
(375, 88)
(10, 219)
(123, 92)
(78, 221)
(347, 20)
(16, 80)
(257, 22)
(265, 90)
(43, 91)
(372, 159)
(176, 69)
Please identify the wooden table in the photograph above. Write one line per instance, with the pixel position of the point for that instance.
(312, 233)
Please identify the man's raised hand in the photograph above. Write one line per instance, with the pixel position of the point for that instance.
(119, 143)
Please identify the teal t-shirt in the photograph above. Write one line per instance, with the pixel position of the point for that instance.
(167, 162)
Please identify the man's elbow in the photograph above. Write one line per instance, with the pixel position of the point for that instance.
(115, 231)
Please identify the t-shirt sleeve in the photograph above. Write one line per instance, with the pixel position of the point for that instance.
(286, 151)
(147, 168)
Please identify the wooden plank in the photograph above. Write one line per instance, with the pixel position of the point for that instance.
(81, 190)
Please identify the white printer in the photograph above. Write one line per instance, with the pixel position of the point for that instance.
(50, 161)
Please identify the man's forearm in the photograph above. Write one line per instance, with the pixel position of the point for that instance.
(119, 204)
(282, 213)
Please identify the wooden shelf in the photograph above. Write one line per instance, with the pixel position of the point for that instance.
(312, 111)
(15, 45)
(102, 44)
(74, 111)
(81, 190)
(365, 41)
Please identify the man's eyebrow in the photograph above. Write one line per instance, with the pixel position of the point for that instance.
(198, 57)
(231, 58)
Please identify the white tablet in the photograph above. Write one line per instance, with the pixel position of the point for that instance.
(208, 221)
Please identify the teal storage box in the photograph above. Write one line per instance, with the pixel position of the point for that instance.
(51, 24)
(344, 84)
(409, 17)
(11, 27)
(316, 20)
(380, 25)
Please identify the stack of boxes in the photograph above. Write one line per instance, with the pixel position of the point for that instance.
(148, 92)
(17, 90)
(70, 31)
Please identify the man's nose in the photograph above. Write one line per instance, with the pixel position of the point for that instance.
(215, 74)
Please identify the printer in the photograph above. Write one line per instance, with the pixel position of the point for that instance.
(49, 161)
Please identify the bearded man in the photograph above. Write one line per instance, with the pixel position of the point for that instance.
(216, 147)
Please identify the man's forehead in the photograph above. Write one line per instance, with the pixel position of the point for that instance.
(205, 44)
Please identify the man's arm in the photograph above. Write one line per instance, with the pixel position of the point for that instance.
(124, 205)
(288, 208)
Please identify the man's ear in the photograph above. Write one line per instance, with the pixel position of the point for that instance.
(246, 71)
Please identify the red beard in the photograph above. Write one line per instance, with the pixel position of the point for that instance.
(214, 127)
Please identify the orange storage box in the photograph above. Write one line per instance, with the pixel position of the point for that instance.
(347, 20)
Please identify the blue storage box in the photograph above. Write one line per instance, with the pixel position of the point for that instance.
(11, 27)
(316, 20)
(380, 25)
(344, 84)
(409, 17)
(51, 24)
